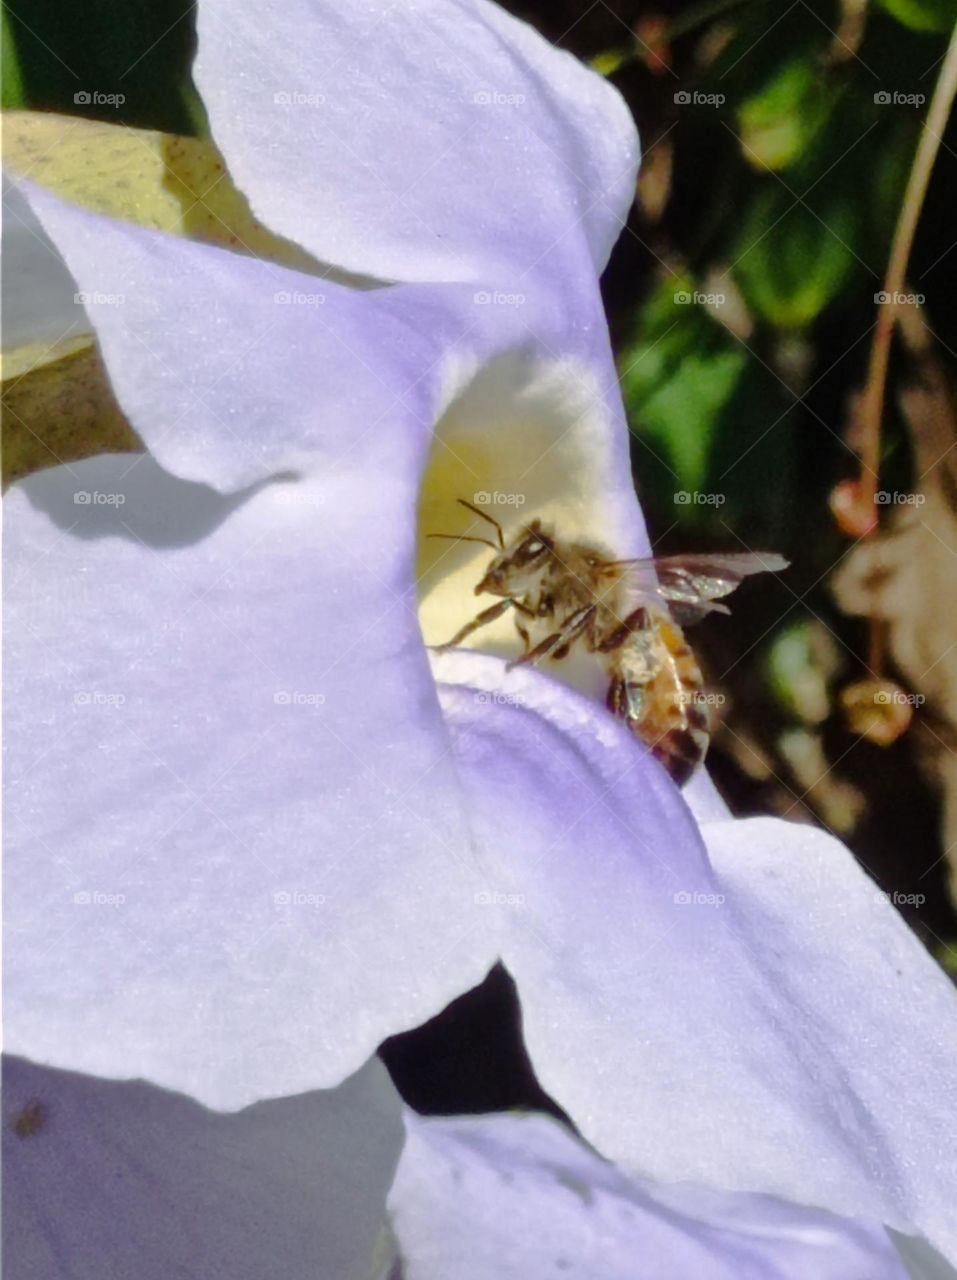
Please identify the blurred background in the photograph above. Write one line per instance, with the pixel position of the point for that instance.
(752, 298)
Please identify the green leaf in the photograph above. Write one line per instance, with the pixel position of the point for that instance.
(676, 379)
(610, 61)
(11, 81)
(779, 122)
(922, 15)
(790, 262)
(127, 63)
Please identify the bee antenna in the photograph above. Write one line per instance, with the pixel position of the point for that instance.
(485, 516)
(463, 537)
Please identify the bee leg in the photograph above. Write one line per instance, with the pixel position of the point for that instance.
(636, 621)
(480, 620)
(559, 642)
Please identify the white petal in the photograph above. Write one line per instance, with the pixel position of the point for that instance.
(123, 1179)
(440, 142)
(233, 369)
(39, 303)
(237, 858)
(518, 1197)
(755, 1024)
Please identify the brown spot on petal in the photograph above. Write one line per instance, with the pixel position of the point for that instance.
(31, 1120)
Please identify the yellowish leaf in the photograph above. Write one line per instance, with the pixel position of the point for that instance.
(57, 402)
(58, 406)
(158, 180)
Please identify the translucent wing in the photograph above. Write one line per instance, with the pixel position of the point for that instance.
(691, 584)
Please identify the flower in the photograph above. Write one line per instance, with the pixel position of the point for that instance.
(254, 830)
(343, 1183)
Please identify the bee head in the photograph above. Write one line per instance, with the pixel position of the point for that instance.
(526, 555)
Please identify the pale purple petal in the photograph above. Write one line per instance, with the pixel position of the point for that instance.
(39, 303)
(106, 1179)
(155, 623)
(237, 854)
(755, 1023)
(518, 1197)
(233, 369)
(439, 142)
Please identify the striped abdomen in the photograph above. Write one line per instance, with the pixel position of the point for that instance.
(656, 688)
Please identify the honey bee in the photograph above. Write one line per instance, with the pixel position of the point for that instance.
(630, 612)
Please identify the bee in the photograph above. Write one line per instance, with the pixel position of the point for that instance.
(629, 612)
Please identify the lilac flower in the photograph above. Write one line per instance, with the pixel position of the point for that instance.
(345, 1184)
(254, 828)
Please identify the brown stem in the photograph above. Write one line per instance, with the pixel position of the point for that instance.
(873, 399)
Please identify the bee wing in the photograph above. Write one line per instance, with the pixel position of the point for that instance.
(692, 584)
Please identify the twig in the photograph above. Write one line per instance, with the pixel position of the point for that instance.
(874, 391)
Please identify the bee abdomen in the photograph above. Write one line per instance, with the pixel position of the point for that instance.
(675, 729)
(681, 751)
